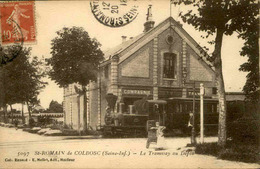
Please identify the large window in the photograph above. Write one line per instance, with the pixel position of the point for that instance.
(169, 65)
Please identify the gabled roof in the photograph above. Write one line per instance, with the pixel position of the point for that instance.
(111, 52)
(38, 107)
(139, 38)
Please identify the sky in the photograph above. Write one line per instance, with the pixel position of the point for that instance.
(52, 16)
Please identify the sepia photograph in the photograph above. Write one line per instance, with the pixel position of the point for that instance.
(129, 84)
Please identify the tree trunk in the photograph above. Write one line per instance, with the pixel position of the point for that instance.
(85, 122)
(23, 115)
(12, 113)
(29, 110)
(5, 113)
(221, 88)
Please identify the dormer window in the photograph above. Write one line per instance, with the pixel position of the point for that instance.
(169, 66)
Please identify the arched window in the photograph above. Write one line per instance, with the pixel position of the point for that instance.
(169, 65)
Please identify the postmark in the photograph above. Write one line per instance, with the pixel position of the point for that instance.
(114, 13)
(17, 22)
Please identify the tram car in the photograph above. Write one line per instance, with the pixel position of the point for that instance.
(178, 116)
(174, 114)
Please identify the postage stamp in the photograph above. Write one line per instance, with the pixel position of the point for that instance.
(114, 13)
(17, 22)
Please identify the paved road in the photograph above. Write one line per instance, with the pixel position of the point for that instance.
(24, 150)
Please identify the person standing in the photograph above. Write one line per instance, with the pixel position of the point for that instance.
(16, 124)
(190, 124)
(161, 144)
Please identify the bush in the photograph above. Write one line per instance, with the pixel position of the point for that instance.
(91, 132)
(233, 152)
(244, 130)
(245, 153)
(70, 132)
(65, 126)
(207, 149)
(56, 126)
(32, 122)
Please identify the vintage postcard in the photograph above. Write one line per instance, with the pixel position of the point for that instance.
(129, 84)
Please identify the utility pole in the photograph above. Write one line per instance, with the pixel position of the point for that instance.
(193, 134)
(201, 114)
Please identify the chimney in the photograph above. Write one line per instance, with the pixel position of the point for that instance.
(149, 24)
(123, 38)
(179, 23)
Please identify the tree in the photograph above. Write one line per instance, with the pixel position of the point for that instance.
(251, 50)
(55, 107)
(219, 18)
(75, 59)
(6, 55)
(22, 79)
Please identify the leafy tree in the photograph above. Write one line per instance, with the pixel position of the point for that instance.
(251, 50)
(75, 59)
(21, 79)
(219, 18)
(55, 107)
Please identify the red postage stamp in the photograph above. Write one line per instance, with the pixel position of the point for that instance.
(17, 22)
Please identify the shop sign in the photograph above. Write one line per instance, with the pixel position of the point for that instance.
(170, 93)
(190, 93)
(136, 92)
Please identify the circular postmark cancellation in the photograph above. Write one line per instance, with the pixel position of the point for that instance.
(10, 52)
(114, 13)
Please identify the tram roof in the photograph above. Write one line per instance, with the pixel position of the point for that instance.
(157, 101)
(190, 99)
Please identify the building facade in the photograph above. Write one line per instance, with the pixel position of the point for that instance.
(163, 62)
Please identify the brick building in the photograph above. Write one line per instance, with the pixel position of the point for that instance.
(164, 62)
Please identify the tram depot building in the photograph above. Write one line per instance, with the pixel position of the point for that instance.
(163, 63)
